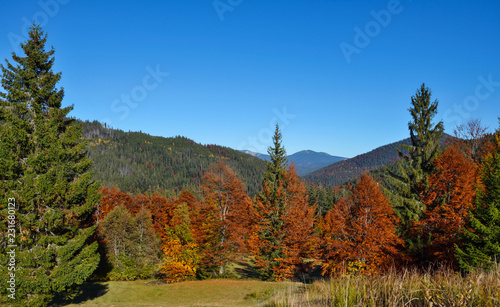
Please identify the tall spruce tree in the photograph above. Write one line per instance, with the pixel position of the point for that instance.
(416, 160)
(481, 240)
(270, 205)
(283, 234)
(44, 168)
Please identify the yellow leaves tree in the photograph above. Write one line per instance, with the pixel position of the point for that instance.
(181, 253)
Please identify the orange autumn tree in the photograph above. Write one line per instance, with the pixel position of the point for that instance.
(358, 233)
(448, 198)
(226, 209)
(283, 235)
(139, 203)
(196, 217)
(162, 212)
(181, 235)
(111, 198)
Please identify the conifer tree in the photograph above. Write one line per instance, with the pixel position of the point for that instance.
(45, 169)
(481, 248)
(416, 160)
(283, 234)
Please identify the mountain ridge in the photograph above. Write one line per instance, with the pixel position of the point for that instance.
(343, 171)
(139, 162)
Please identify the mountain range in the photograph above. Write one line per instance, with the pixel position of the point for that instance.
(138, 162)
(306, 161)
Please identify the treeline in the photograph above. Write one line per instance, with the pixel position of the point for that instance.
(201, 237)
(288, 235)
(137, 162)
(444, 195)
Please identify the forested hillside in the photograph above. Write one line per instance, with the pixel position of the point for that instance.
(137, 162)
(343, 171)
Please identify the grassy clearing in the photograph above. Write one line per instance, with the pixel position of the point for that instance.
(439, 288)
(218, 292)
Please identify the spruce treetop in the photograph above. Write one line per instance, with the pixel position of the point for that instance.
(424, 136)
(278, 159)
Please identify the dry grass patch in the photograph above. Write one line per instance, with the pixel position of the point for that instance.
(439, 288)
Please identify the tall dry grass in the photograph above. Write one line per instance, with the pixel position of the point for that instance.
(411, 288)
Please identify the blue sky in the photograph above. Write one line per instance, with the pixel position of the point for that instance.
(336, 75)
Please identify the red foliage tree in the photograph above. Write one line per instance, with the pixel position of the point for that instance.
(111, 198)
(358, 233)
(162, 213)
(139, 203)
(448, 199)
(226, 209)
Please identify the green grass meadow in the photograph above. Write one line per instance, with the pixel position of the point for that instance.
(217, 292)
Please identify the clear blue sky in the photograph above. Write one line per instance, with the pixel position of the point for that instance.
(220, 71)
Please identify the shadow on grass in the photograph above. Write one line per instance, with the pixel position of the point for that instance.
(246, 270)
(311, 275)
(88, 292)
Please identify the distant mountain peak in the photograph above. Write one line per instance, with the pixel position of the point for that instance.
(306, 161)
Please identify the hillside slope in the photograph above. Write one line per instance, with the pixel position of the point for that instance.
(343, 171)
(135, 161)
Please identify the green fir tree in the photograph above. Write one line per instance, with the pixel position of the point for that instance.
(416, 160)
(270, 205)
(481, 240)
(45, 169)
